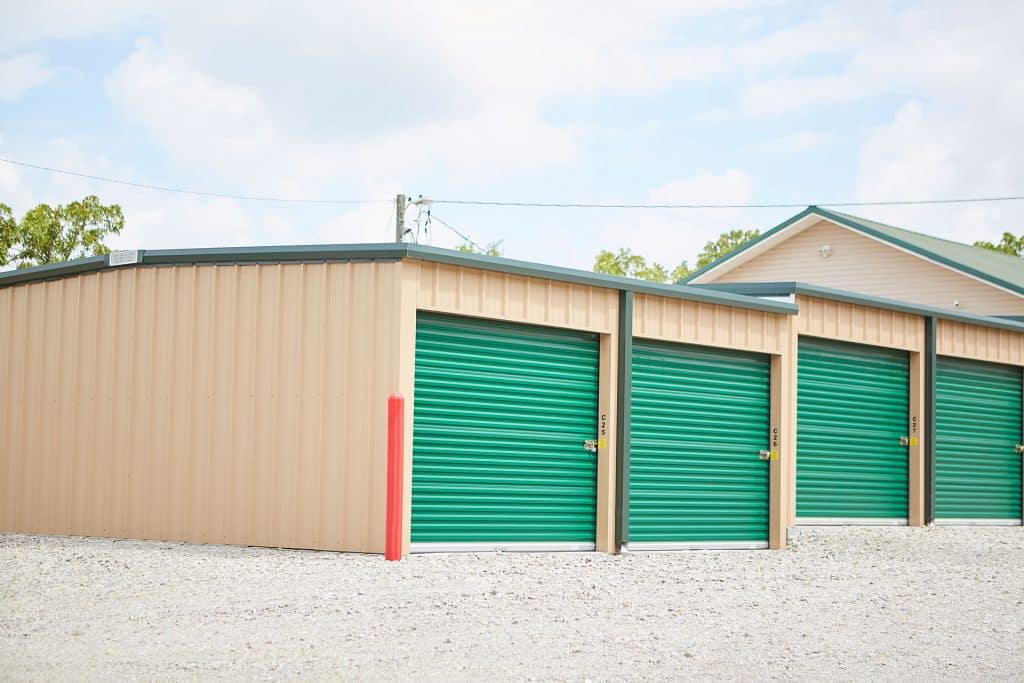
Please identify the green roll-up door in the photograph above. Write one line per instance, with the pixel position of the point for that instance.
(500, 419)
(852, 411)
(977, 426)
(699, 421)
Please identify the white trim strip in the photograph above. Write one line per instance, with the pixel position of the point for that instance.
(851, 521)
(709, 545)
(488, 547)
(956, 521)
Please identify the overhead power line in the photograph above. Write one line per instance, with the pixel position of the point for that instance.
(572, 205)
(545, 205)
(199, 193)
(458, 232)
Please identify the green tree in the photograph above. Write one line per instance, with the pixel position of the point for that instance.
(726, 243)
(627, 264)
(51, 234)
(492, 249)
(1010, 244)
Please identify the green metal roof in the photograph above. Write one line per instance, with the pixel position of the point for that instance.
(319, 253)
(999, 269)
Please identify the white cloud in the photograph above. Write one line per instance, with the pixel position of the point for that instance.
(796, 141)
(670, 236)
(27, 23)
(940, 49)
(939, 152)
(347, 99)
(21, 73)
(155, 220)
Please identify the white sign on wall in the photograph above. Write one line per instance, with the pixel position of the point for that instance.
(124, 258)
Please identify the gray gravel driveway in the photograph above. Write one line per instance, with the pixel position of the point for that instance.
(845, 604)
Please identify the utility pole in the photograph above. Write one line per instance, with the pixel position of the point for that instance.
(400, 218)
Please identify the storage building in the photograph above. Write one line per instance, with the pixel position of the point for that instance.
(240, 396)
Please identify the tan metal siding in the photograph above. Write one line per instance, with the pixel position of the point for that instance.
(502, 296)
(859, 324)
(980, 343)
(227, 404)
(862, 264)
(692, 322)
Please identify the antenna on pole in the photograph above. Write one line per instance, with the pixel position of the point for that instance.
(400, 218)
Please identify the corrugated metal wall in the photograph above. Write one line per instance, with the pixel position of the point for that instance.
(225, 404)
(859, 324)
(515, 298)
(980, 343)
(691, 322)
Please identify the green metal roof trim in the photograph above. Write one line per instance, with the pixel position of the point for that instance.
(788, 288)
(999, 269)
(394, 252)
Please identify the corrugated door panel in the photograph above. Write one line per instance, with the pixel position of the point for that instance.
(700, 416)
(501, 413)
(852, 409)
(977, 424)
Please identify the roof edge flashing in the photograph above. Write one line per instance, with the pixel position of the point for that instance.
(392, 252)
(585, 277)
(805, 289)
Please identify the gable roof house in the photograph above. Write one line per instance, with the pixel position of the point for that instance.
(839, 251)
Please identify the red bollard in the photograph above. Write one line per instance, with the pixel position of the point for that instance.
(395, 502)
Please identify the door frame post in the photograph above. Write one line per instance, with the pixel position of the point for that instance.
(624, 390)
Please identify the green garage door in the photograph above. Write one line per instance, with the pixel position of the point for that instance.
(501, 412)
(699, 421)
(977, 426)
(852, 411)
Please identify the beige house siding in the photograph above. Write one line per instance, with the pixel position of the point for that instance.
(239, 404)
(979, 343)
(862, 264)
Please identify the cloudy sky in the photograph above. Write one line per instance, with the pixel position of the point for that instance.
(705, 101)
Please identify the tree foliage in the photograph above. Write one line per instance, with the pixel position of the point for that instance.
(51, 234)
(628, 264)
(1010, 244)
(726, 243)
(491, 249)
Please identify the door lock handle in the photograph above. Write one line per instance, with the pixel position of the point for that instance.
(904, 440)
(1019, 449)
(590, 445)
(764, 455)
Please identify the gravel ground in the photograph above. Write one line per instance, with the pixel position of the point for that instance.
(856, 603)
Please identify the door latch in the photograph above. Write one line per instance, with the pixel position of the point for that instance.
(590, 445)
(904, 440)
(764, 455)
(1019, 449)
